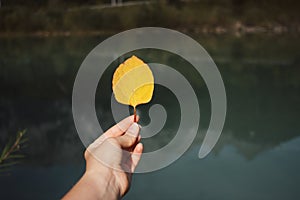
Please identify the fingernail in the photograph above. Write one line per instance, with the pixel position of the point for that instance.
(133, 129)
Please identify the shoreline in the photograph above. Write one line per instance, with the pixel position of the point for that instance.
(193, 17)
(237, 30)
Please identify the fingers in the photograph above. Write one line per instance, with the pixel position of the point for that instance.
(116, 130)
(120, 147)
(136, 155)
(130, 137)
(120, 127)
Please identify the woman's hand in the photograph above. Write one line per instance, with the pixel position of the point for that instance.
(110, 161)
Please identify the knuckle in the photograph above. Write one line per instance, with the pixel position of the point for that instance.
(111, 140)
(130, 140)
(86, 154)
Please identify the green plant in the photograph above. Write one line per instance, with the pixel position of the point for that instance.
(10, 154)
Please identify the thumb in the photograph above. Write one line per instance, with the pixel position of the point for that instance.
(130, 137)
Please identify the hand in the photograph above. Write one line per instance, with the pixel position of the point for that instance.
(117, 152)
(110, 161)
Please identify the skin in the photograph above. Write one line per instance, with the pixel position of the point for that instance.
(108, 168)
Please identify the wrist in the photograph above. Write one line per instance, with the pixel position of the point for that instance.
(103, 183)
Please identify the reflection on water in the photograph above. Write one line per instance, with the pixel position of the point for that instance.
(271, 175)
(255, 158)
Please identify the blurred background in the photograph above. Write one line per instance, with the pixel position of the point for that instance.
(255, 45)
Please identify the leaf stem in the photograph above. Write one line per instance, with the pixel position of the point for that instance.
(134, 113)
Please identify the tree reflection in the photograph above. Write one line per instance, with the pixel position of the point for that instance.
(260, 76)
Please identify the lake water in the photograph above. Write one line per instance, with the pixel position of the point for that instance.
(256, 157)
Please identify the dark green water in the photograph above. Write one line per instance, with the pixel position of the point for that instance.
(256, 157)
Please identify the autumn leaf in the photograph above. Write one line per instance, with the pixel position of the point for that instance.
(133, 82)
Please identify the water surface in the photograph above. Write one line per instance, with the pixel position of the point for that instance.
(255, 158)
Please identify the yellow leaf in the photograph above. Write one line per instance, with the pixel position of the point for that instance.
(133, 82)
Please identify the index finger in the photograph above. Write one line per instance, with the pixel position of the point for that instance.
(120, 127)
(117, 130)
